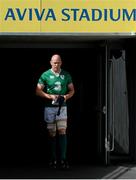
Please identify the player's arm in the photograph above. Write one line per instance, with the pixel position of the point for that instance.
(71, 91)
(41, 93)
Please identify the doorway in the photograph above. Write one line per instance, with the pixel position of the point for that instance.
(86, 130)
(85, 118)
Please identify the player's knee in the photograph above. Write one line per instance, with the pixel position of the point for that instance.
(62, 131)
(52, 133)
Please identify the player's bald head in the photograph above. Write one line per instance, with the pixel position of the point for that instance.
(56, 57)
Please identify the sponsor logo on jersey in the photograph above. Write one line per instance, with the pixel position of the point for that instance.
(57, 86)
(51, 77)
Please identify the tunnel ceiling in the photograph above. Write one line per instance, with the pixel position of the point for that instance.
(69, 37)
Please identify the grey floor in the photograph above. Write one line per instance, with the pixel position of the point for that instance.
(123, 171)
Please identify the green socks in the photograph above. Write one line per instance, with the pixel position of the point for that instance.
(62, 140)
(52, 143)
(63, 146)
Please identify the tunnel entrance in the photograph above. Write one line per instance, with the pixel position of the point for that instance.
(86, 110)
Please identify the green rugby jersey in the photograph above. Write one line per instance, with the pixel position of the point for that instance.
(55, 83)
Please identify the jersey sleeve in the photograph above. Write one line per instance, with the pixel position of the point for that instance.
(41, 80)
(69, 77)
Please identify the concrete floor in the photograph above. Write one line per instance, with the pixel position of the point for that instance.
(122, 171)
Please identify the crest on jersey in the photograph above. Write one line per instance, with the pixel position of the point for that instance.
(62, 76)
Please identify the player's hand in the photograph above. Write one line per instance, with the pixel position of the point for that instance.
(65, 98)
(53, 97)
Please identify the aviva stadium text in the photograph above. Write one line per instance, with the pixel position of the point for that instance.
(69, 14)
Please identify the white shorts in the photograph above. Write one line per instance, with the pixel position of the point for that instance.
(53, 120)
(50, 114)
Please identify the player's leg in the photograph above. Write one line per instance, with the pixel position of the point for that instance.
(52, 144)
(61, 127)
(49, 116)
